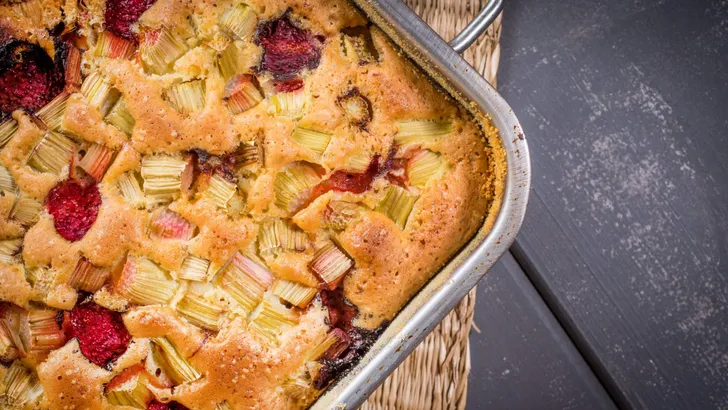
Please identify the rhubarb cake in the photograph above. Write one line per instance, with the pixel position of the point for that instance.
(217, 204)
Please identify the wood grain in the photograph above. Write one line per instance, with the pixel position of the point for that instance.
(522, 358)
(624, 104)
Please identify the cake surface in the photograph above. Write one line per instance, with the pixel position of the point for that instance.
(217, 204)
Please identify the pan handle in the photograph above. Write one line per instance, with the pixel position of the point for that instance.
(477, 26)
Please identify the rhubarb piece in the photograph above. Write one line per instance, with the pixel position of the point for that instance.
(271, 319)
(223, 406)
(245, 280)
(130, 189)
(88, 277)
(52, 154)
(397, 205)
(287, 49)
(194, 268)
(143, 282)
(294, 292)
(331, 347)
(165, 177)
(358, 45)
(21, 386)
(288, 104)
(96, 161)
(112, 46)
(229, 62)
(7, 183)
(176, 367)
(73, 67)
(130, 388)
(359, 162)
(28, 77)
(330, 264)
(291, 185)
(356, 107)
(220, 190)
(160, 49)
(238, 22)
(9, 250)
(100, 332)
(171, 225)
(120, 15)
(422, 166)
(52, 113)
(187, 97)
(11, 320)
(247, 155)
(99, 92)
(314, 140)
(241, 93)
(421, 131)
(44, 332)
(200, 311)
(120, 117)
(278, 234)
(26, 210)
(74, 206)
(7, 130)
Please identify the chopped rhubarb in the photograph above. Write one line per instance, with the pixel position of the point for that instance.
(287, 49)
(74, 206)
(122, 14)
(170, 225)
(100, 332)
(28, 77)
(357, 108)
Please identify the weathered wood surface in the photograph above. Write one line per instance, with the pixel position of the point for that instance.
(522, 359)
(625, 105)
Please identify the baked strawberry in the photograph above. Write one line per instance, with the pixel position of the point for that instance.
(28, 77)
(359, 342)
(287, 86)
(341, 311)
(100, 332)
(155, 405)
(121, 14)
(74, 205)
(287, 49)
(345, 181)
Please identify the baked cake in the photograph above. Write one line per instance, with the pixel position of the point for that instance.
(215, 204)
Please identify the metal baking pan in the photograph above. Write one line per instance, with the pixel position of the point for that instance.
(425, 311)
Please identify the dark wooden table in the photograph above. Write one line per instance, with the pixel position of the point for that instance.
(615, 293)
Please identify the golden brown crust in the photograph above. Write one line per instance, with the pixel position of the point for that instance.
(241, 358)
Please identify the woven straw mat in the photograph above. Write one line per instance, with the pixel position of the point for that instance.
(435, 375)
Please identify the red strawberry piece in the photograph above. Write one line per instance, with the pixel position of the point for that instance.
(287, 49)
(100, 332)
(341, 311)
(28, 77)
(345, 181)
(74, 206)
(287, 86)
(155, 405)
(121, 14)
